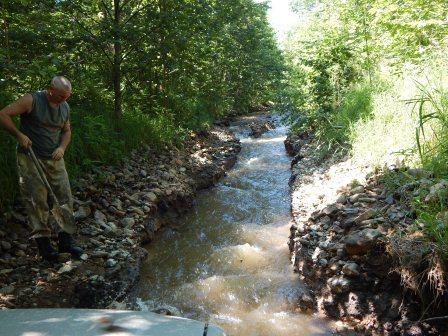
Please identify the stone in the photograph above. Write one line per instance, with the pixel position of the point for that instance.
(99, 216)
(7, 290)
(351, 211)
(351, 269)
(128, 221)
(435, 191)
(338, 284)
(99, 254)
(330, 210)
(111, 263)
(357, 190)
(150, 196)
(354, 198)
(84, 257)
(66, 268)
(361, 242)
(82, 212)
(367, 200)
(368, 214)
(323, 262)
(136, 210)
(118, 204)
(6, 246)
(143, 173)
(22, 247)
(342, 199)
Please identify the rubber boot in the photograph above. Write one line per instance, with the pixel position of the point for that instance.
(46, 251)
(66, 245)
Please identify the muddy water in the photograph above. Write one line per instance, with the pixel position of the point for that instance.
(228, 263)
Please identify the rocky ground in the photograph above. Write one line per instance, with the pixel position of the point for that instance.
(350, 236)
(117, 210)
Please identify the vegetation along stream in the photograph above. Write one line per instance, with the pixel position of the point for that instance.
(228, 263)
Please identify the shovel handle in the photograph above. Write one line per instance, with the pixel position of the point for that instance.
(42, 175)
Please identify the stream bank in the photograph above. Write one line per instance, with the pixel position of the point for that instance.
(350, 238)
(118, 209)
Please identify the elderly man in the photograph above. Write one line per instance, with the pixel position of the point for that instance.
(44, 127)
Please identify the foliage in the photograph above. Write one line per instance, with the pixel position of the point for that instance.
(142, 71)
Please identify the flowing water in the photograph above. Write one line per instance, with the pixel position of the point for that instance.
(228, 263)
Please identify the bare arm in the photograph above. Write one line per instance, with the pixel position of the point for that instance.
(65, 140)
(20, 106)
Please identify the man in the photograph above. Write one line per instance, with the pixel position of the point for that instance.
(44, 127)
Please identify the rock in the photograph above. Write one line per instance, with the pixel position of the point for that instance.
(84, 257)
(118, 204)
(150, 196)
(323, 262)
(7, 290)
(368, 214)
(136, 210)
(435, 191)
(390, 199)
(143, 173)
(66, 268)
(351, 211)
(128, 221)
(361, 242)
(338, 284)
(99, 216)
(6, 246)
(330, 210)
(111, 263)
(22, 247)
(351, 269)
(342, 199)
(82, 212)
(357, 190)
(6, 271)
(367, 199)
(99, 254)
(418, 173)
(20, 253)
(354, 198)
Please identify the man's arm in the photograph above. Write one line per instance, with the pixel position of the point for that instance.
(65, 140)
(20, 106)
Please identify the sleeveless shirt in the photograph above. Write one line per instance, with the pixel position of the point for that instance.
(43, 125)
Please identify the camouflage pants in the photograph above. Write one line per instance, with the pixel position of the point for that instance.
(35, 195)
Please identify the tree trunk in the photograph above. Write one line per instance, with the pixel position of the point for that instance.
(116, 71)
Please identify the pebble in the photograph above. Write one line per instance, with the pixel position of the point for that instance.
(128, 221)
(66, 268)
(351, 269)
(99, 216)
(82, 212)
(357, 190)
(111, 263)
(5, 245)
(7, 290)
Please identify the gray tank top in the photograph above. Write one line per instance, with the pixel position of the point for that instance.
(43, 125)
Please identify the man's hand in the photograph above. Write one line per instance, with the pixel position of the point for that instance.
(24, 141)
(58, 153)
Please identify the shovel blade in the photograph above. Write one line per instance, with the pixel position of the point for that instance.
(64, 217)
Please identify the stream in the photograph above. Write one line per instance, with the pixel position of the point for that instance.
(228, 261)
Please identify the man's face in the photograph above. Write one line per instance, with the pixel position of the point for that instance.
(57, 96)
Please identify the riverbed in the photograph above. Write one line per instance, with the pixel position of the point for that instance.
(227, 261)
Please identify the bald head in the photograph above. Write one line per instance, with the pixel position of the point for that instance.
(61, 83)
(59, 91)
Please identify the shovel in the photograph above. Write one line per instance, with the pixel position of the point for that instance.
(61, 213)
